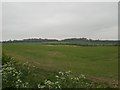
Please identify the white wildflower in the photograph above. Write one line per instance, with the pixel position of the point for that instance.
(57, 76)
(62, 78)
(39, 86)
(56, 82)
(59, 86)
(42, 86)
(13, 74)
(83, 76)
(61, 73)
(48, 82)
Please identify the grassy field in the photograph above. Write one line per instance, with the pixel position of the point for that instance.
(97, 62)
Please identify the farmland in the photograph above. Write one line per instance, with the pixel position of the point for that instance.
(96, 62)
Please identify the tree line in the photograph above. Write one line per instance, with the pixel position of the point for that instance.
(77, 41)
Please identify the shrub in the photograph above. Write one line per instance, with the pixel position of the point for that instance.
(68, 80)
(11, 77)
(6, 58)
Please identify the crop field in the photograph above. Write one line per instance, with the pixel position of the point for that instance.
(99, 63)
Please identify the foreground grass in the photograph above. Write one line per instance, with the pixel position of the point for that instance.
(18, 75)
(97, 62)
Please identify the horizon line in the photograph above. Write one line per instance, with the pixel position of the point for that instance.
(61, 39)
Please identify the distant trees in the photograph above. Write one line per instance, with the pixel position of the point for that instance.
(31, 40)
(69, 41)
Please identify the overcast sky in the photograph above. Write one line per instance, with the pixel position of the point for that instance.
(60, 20)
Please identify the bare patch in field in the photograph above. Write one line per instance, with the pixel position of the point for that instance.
(64, 45)
(106, 80)
(55, 53)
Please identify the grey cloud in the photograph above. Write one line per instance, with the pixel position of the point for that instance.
(60, 20)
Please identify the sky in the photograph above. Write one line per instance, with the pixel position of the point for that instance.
(60, 20)
(0, 22)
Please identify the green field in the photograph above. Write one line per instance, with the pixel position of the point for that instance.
(96, 62)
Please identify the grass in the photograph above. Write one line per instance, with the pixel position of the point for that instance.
(96, 62)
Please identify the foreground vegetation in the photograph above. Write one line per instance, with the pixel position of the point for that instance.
(40, 63)
(17, 75)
